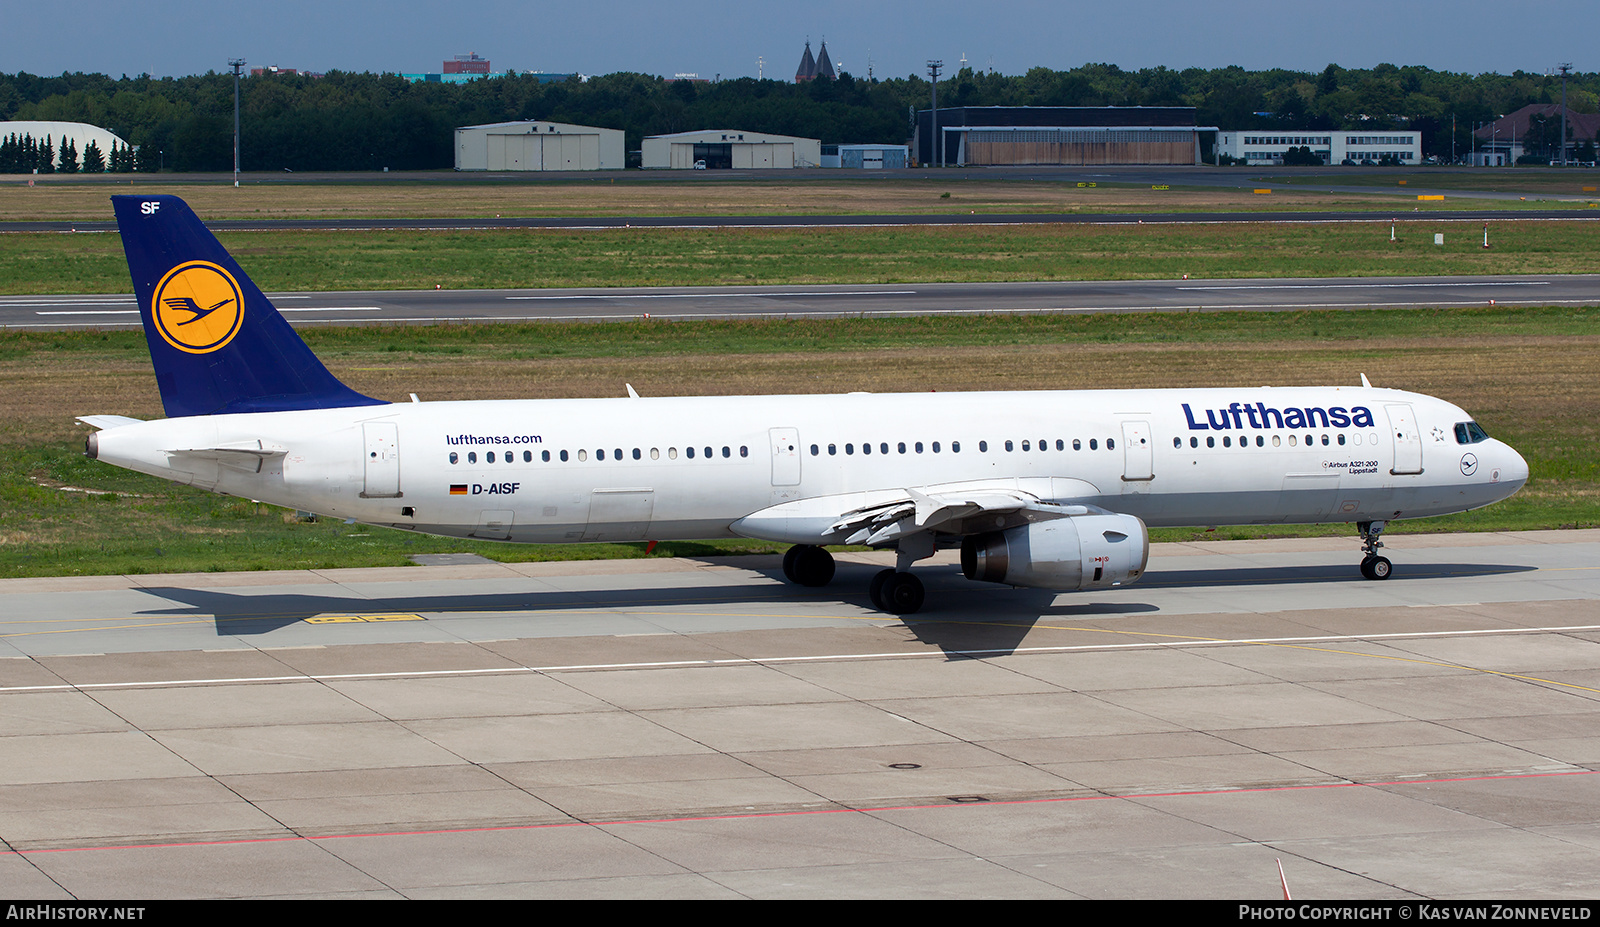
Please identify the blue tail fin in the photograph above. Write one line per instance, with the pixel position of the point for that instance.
(217, 343)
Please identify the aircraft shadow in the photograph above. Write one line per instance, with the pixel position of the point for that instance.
(963, 618)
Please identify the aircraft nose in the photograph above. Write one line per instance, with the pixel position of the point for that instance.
(1515, 469)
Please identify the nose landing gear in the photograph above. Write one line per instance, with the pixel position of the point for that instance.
(1372, 565)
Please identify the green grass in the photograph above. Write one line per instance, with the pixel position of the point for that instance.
(313, 260)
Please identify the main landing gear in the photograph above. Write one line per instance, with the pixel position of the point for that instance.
(1372, 565)
(808, 565)
(897, 592)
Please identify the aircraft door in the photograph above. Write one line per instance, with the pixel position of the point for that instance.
(785, 456)
(1407, 439)
(1138, 452)
(382, 459)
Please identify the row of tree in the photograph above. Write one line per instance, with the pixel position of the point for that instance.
(26, 155)
(350, 121)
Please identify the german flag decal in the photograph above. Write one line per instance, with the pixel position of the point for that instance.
(458, 489)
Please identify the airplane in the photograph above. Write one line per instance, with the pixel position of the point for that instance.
(1047, 489)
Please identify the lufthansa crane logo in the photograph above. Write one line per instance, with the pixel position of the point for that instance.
(197, 307)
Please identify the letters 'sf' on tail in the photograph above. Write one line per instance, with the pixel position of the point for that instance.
(217, 343)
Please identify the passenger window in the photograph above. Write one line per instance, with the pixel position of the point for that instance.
(1061, 445)
(689, 452)
(1008, 444)
(545, 456)
(453, 457)
(600, 454)
(619, 453)
(1110, 444)
(1291, 441)
(1077, 445)
(1211, 441)
(955, 447)
(1260, 441)
(815, 451)
(865, 449)
(1094, 444)
(1277, 441)
(1025, 446)
(901, 446)
(1193, 441)
(833, 450)
(672, 453)
(1227, 441)
(883, 447)
(917, 447)
(1341, 439)
(708, 453)
(726, 451)
(1324, 440)
(744, 450)
(655, 453)
(472, 457)
(583, 455)
(489, 457)
(936, 447)
(527, 456)
(849, 449)
(983, 447)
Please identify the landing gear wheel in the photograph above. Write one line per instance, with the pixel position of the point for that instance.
(1373, 566)
(902, 594)
(875, 590)
(810, 565)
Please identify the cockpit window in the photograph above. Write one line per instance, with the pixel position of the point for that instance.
(1470, 433)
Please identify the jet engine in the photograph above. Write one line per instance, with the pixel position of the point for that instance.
(1078, 552)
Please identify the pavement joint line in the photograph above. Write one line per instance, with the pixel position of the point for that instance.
(762, 661)
(837, 809)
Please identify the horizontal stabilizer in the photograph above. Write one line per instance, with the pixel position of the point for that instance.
(107, 421)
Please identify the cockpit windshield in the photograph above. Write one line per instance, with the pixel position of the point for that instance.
(1470, 433)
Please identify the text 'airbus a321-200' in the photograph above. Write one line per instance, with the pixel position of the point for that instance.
(1047, 489)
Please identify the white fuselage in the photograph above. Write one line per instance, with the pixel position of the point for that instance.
(557, 471)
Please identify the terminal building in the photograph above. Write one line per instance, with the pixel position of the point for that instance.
(722, 149)
(1268, 147)
(996, 135)
(538, 146)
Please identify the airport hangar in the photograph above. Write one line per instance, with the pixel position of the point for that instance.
(729, 148)
(79, 133)
(538, 146)
(1005, 135)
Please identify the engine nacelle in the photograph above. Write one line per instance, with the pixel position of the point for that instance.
(1077, 552)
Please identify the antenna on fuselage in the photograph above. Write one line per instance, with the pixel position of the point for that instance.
(1364, 381)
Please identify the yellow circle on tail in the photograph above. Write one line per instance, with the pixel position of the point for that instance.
(197, 307)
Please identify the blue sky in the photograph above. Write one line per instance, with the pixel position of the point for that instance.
(178, 37)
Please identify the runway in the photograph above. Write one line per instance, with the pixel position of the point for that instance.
(672, 728)
(865, 301)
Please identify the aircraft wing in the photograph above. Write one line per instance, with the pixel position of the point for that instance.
(882, 517)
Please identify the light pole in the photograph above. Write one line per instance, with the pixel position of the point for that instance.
(237, 64)
(933, 75)
(1565, 68)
